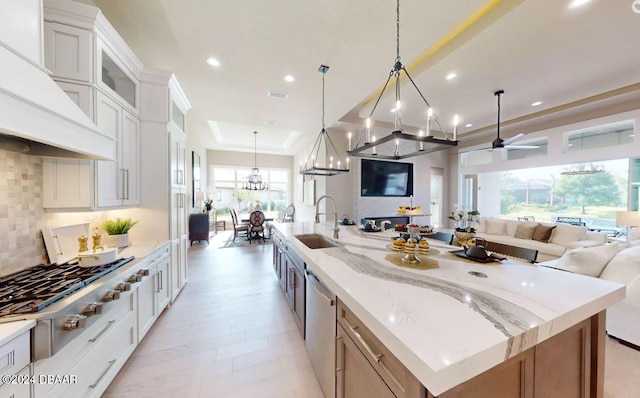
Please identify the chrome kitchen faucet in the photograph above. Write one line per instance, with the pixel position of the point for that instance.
(335, 214)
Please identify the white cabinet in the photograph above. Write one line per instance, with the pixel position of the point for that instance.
(91, 63)
(118, 182)
(163, 107)
(17, 390)
(153, 290)
(178, 155)
(95, 356)
(14, 361)
(178, 271)
(68, 51)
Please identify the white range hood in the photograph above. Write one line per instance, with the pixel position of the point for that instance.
(38, 118)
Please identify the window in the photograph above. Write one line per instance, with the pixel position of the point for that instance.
(476, 158)
(515, 153)
(229, 195)
(598, 137)
(591, 192)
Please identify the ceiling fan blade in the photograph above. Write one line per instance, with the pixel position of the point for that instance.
(513, 139)
(522, 146)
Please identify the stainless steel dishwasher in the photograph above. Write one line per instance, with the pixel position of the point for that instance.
(321, 333)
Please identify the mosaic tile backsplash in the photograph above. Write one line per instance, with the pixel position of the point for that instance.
(21, 214)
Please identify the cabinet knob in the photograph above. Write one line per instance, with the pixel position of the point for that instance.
(92, 309)
(123, 287)
(74, 322)
(135, 278)
(111, 295)
(143, 272)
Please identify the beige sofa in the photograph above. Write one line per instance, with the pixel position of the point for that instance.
(563, 237)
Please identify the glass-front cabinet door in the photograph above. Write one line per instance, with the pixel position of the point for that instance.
(114, 77)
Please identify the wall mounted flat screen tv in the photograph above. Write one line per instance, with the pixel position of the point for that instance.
(380, 178)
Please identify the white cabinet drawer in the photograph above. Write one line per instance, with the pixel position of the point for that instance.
(96, 371)
(93, 338)
(17, 390)
(15, 355)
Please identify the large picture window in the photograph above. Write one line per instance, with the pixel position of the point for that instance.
(227, 183)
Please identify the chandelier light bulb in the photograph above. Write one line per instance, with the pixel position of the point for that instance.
(398, 105)
(368, 123)
(429, 113)
(421, 144)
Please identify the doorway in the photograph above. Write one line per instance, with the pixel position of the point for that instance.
(437, 197)
(469, 192)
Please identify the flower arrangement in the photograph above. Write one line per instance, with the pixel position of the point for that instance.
(465, 219)
(208, 205)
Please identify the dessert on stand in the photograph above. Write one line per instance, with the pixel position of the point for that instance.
(414, 230)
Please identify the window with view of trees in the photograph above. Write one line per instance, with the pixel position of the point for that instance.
(592, 192)
(227, 183)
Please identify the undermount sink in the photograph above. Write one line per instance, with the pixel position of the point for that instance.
(315, 241)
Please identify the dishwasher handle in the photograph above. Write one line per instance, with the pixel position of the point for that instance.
(317, 285)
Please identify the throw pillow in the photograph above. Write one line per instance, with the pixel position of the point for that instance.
(495, 227)
(587, 261)
(524, 231)
(624, 267)
(542, 233)
(565, 233)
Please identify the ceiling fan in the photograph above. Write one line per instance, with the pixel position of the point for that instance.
(499, 143)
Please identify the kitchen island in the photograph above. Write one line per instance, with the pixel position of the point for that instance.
(452, 329)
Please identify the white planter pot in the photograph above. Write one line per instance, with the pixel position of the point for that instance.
(121, 240)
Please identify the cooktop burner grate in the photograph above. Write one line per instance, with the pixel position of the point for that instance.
(33, 289)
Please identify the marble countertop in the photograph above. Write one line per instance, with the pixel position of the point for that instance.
(444, 324)
(141, 249)
(11, 330)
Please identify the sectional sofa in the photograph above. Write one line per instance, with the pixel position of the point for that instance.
(618, 263)
(551, 240)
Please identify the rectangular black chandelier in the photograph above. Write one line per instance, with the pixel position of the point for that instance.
(424, 144)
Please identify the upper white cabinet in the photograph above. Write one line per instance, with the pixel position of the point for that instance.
(68, 51)
(118, 182)
(93, 65)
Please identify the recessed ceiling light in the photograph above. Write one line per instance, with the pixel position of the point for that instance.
(537, 103)
(270, 123)
(451, 75)
(289, 78)
(578, 3)
(213, 62)
(468, 125)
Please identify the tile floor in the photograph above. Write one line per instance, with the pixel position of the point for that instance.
(230, 334)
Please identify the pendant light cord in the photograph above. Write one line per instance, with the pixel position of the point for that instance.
(398, 30)
(323, 101)
(255, 149)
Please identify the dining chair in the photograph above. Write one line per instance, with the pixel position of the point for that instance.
(443, 236)
(256, 226)
(291, 210)
(530, 255)
(238, 229)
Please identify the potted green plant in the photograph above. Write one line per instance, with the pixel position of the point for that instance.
(118, 231)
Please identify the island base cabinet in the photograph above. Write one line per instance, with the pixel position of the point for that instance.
(401, 382)
(563, 366)
(511, 379)
(355, 377)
